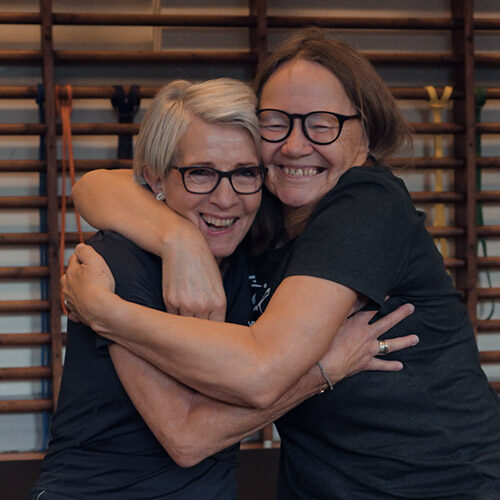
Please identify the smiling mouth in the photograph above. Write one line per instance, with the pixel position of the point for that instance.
(301, 171)
(216, 223)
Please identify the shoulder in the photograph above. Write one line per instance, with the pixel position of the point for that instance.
(368, 193)
(137, 273)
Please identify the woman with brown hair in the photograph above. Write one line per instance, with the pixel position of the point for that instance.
(350, 232)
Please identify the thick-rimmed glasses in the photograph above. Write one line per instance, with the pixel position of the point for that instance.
(204, 180)
(320, 127)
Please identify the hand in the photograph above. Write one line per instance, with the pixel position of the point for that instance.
(87, 278)
(355, 347)
(192, 283)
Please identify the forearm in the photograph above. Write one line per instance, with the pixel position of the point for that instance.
(113, 200)
(187, 424)
(244, 365)
(224, 424)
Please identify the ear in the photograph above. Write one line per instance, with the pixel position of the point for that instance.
(154, 181)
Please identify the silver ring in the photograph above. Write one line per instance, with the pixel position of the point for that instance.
(383, 347)
(66, 302)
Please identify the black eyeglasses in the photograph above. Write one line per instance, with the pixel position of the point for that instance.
(320, 127)
(204, 180)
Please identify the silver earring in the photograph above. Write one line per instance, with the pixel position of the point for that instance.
(160, 196)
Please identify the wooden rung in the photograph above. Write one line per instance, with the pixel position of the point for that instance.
(453, 263)
(488, 128)
(204, 20)
(25, 373)
(488, 231)
(425, 163)
(19, 272)
(488, 325)
(488, 262)
(21, 455)
(445, 232)
(488, 196)
(25, 405)
(80, 165)
(22, 339)
(22, 129)
(37, 238)
(14, 306)
(436, 197)
(437, 128)
(489, 356)
(488, 293)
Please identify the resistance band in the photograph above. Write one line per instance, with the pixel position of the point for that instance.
(63, 108)
(437, 105)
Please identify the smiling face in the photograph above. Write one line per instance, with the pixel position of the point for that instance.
(301, 172)
(223, 216)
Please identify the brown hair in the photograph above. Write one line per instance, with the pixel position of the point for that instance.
(384, 124)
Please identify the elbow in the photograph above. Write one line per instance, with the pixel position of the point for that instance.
(186, 459)
(264, 387)
(184, 449)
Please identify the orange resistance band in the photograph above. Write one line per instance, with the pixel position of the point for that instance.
(63, 109)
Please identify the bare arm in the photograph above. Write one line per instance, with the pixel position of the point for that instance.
(113, 200)
(242, 365)
(191, 426)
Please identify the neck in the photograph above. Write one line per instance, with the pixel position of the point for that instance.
(296, 219)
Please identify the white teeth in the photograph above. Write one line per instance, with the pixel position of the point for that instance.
(300, 172)
(214, 221)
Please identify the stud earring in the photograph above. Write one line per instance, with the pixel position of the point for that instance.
(160, 196)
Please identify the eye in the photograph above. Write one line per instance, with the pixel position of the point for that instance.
(247, 172)
(322, 123)
(273, 121)
(200, 174)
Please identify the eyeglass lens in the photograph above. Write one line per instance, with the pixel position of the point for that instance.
(245, 180)
(319, 127)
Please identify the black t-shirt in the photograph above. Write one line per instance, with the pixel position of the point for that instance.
(101, 447)
(429, 431)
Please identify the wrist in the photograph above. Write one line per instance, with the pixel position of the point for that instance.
(325, 382)
(100, 309)
(180, 237)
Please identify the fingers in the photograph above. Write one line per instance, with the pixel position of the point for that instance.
(384, 365)
(85, 253)
(399, 343)
(392, 319)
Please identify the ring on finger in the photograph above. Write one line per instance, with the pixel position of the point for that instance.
(383, 347)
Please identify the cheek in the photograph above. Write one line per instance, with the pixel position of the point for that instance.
(252, 205)
(267, 150)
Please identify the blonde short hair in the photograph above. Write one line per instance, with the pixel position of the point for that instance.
(223, 101)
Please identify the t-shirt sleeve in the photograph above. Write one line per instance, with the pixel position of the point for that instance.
(358, 236)
(132, 269)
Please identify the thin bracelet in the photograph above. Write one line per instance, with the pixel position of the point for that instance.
(325, 376)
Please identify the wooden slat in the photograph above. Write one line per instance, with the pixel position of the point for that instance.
(490, 325)
(36, 238)
(18, 272)
(21, 455)
(22, 339)
(15, 306)
(489, 356)
(25, 405)
(25, 373)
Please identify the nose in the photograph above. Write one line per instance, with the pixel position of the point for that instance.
(296, 144)
(224, 195)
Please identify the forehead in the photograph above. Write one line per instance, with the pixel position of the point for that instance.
(210, 143)
(301, 86)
